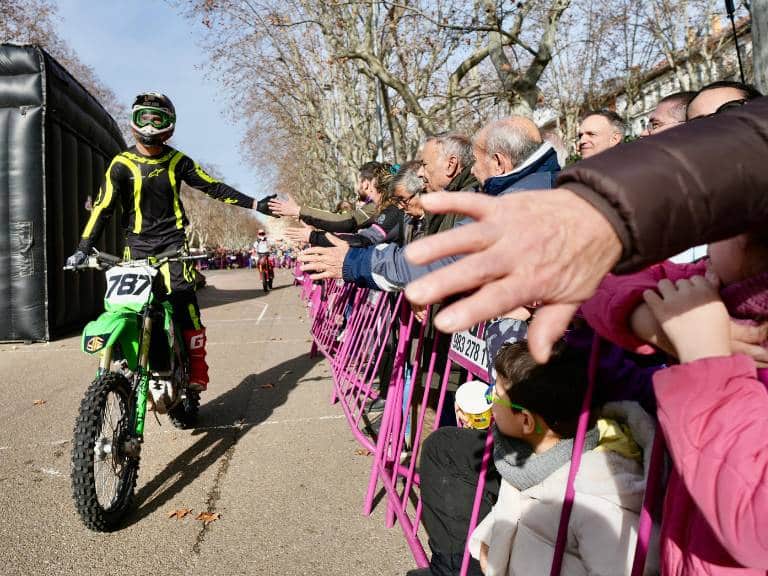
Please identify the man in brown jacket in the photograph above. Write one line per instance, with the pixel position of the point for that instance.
(624, 209)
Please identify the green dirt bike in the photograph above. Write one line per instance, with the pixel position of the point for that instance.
(142, 360)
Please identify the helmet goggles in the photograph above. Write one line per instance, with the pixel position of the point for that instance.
(150, 116)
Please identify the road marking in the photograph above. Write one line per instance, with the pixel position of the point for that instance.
(51, 471)
(262, 312)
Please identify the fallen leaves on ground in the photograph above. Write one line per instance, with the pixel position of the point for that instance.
(208, 517)
(39, 402)
(362, 452)
(179, 513)
(267, 385)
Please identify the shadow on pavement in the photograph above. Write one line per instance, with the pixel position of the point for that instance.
(210, 296)
(222, 422)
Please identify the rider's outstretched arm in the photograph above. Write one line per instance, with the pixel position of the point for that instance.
(190, 172)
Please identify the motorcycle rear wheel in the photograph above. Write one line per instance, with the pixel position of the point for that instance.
(103, 476)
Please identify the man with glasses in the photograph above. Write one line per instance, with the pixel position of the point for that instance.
(146, 181)
(669, 112)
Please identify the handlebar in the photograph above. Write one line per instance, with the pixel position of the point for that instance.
(98, 260)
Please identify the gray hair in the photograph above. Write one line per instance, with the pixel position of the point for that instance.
(508, 139)
(408, 179)
(455, 144)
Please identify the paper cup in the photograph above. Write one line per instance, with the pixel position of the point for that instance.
(470, 397)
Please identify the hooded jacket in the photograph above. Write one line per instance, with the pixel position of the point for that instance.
(384, 267)
(521, 529)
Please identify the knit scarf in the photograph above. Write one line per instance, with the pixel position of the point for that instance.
(523, 469)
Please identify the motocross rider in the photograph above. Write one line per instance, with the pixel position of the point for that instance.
(263, 253)
(146, 181)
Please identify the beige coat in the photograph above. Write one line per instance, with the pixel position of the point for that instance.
(521, 529)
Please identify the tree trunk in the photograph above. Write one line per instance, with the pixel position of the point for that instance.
(760, 43)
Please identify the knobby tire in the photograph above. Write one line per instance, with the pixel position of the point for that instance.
(184, 414)
(88, 426)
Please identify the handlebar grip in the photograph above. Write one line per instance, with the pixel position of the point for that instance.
(108, 258)
(168, 254)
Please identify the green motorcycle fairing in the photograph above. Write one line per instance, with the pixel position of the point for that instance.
(111, 327)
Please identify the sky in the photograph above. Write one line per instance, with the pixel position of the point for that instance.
(146, 45)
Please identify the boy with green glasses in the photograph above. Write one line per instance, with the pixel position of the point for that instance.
(536, 408)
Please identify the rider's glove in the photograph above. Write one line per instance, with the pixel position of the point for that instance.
(77, 259)
(263, 206)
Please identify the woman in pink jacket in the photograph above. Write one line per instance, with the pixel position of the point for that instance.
(713, 406)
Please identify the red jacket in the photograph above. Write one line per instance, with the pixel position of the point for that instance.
(714, 415)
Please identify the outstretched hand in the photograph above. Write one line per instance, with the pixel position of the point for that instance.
(287, 207)
(299, 234)
(325, 262)
(547, 245)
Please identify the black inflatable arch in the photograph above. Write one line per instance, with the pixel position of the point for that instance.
(56, 142)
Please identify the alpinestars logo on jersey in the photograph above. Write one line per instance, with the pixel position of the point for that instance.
(155, 172)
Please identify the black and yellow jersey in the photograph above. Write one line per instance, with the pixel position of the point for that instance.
(148, 190)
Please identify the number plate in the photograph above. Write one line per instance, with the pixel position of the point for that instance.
(469, 350)
(129, 285)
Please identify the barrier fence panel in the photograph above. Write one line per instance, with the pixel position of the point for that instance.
(360, 358)
(354, 328)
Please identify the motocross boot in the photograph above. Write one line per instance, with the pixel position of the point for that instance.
(198, 367)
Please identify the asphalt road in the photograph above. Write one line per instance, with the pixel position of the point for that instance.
(277, 463)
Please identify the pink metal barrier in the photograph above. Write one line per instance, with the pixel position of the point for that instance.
(352, 328)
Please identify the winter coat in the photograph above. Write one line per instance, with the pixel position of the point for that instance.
(521, 529)
(701, 182)
(714, 415)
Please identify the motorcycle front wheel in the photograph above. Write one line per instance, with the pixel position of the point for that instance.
(103, 475)
(184, 414)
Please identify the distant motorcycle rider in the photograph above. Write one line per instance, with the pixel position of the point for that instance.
(146, 181)
(263, 255)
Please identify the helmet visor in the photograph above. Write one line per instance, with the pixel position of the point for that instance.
(155, 117)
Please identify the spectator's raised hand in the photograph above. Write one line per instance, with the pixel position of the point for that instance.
(300, 234)
(547, 245)
(693, 317)
(322, 262)
(287, 207)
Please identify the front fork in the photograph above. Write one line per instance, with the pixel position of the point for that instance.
(142, 389)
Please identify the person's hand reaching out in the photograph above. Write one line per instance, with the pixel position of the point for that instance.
(547, 245)
(287, 207)
(322, 262)
(299, 234)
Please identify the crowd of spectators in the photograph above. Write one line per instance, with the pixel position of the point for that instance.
(685, 340)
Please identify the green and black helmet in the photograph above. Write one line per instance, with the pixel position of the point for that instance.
(153, 117)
